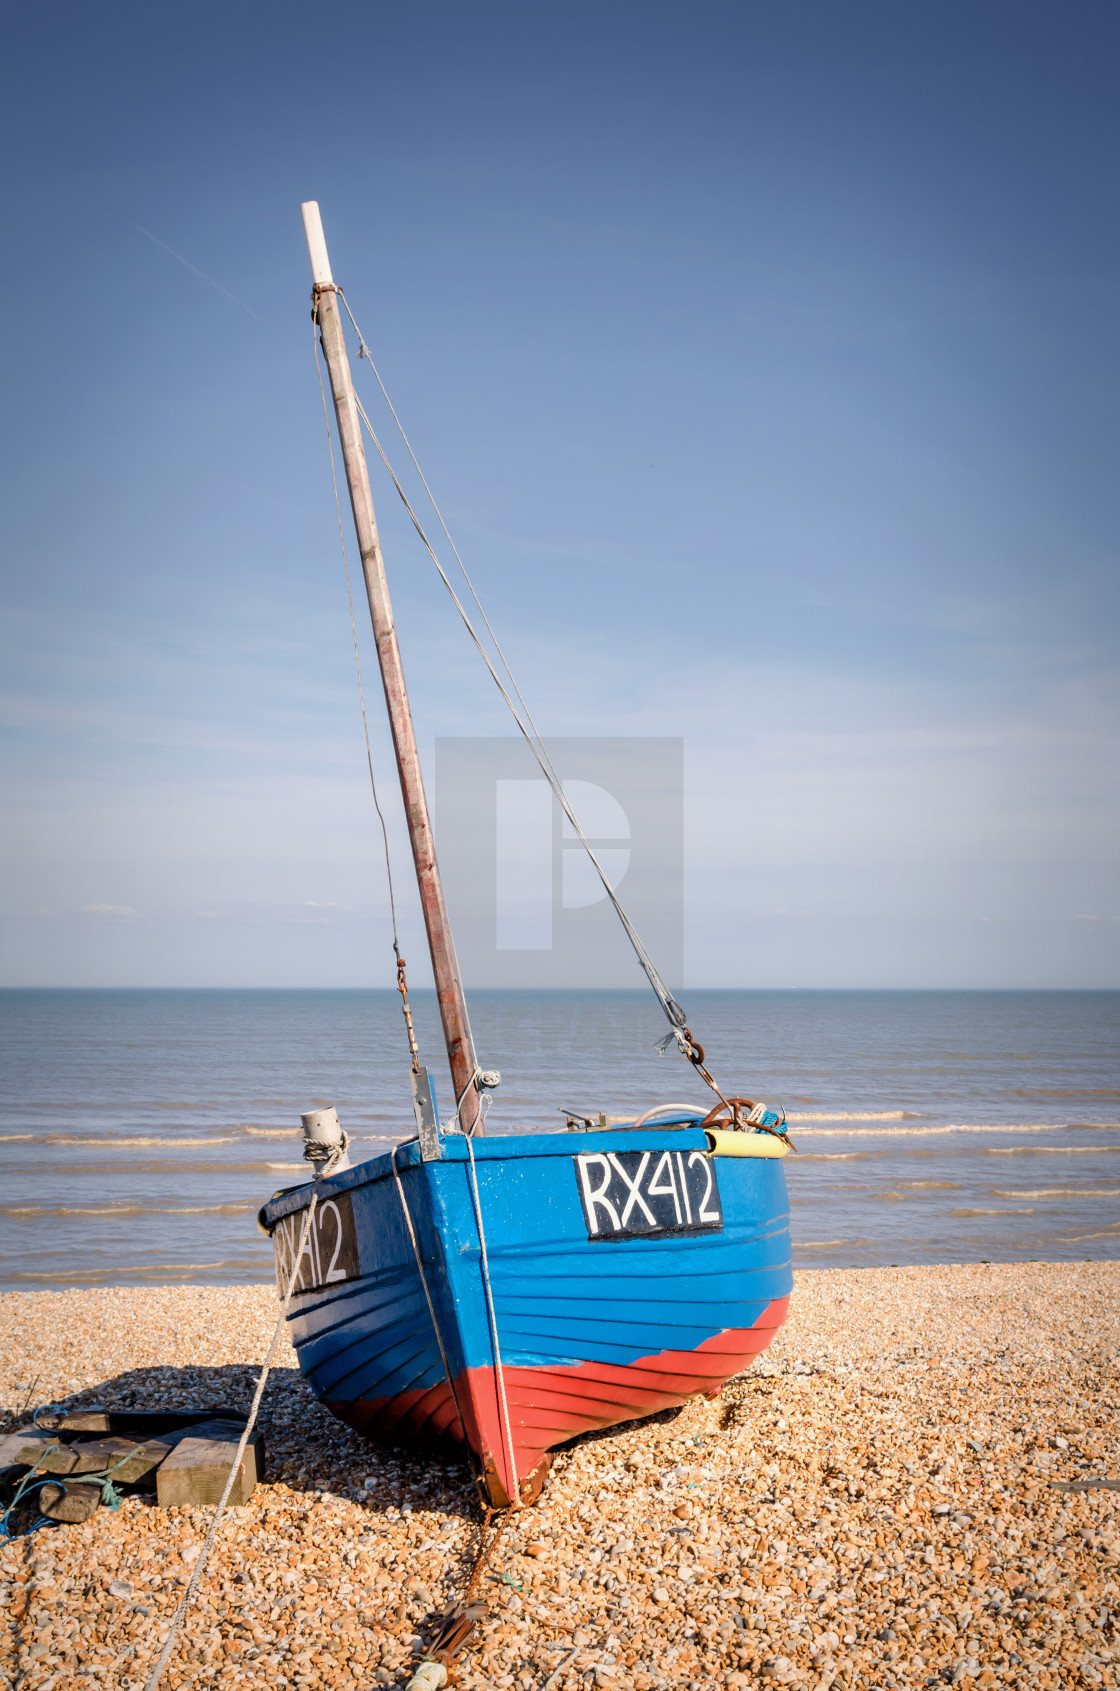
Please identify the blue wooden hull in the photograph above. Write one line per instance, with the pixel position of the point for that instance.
(568, 1321)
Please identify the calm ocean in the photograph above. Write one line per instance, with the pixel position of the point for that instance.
(140, 1131)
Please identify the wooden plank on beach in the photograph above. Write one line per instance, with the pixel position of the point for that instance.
(148, 1421)
(130, 1461)
(196, 1470)
(33, 1449)
(69, 1502)
(126, 1461)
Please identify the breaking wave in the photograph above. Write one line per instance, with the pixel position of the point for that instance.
(854, 1115)
(1060, 1192)
(112, 1210)
(962, 1127)
(1046, 1150)
(832, 1156)
(993, 1212)
(152, 1271)
(922, 1186)
(119, 1141)
(827, 1244)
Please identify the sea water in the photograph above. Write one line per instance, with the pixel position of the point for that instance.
(140, 1131)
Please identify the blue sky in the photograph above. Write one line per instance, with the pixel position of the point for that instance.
(764, 360)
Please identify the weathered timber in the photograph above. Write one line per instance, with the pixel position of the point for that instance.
(69, 1502)
(196, 1470)
(151, 1421)
(35, 1450)
(127, 1461)
(132, 1461)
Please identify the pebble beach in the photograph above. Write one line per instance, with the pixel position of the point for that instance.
(909, 1489)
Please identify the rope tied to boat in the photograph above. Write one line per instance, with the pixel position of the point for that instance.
(499, 1371)
(430, 1301)
(744, 1113)
(196, 1572)
(325, 1154)
(458, 1625)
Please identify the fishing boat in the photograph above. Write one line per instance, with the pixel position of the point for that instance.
(504, 1294)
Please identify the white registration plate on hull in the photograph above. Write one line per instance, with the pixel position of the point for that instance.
(639, 1194)
(330, 1251)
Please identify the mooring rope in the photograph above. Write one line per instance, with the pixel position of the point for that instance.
(428, 1297)
(196, 1572)
(499, 1371)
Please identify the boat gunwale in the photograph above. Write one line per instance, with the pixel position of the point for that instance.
(506, 1147)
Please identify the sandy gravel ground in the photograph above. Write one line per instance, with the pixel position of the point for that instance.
(877, 1503)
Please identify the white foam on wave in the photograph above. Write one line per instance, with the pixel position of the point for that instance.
(993, 1212)
(126, 1209)
(1060, 1192)
(1046, 1150)
(125, 1141)
(959, 1127)
(853, 1115)
(831, 1156)
(923, 1186)
(160, 1270)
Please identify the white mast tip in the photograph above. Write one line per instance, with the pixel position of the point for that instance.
(316, 244)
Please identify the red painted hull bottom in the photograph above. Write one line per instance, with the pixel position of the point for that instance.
(548, 1406)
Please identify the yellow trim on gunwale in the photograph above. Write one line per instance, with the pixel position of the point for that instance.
(744, 1144)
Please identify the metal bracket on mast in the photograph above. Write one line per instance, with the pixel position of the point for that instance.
(427, 1122)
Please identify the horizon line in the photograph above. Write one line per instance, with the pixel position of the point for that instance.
(529, 991)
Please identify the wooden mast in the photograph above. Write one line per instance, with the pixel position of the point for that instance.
(452, 1004)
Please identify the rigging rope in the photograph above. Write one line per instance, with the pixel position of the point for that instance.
(364, 352)
(673, 1011)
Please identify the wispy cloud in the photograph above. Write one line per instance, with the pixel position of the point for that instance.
(201, 274)
(108, 909)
